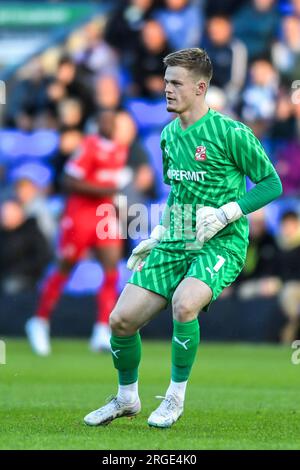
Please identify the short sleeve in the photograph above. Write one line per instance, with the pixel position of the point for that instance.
(81, 162)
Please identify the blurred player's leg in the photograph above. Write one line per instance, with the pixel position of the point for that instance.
(109, 256)
(37, 327)
(189, 298)
(75, 237)
(289, 299)
(135, 307)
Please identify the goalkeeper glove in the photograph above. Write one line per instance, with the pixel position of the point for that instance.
(143, 249)
(210, 220)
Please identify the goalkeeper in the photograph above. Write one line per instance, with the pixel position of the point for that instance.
(200, 246)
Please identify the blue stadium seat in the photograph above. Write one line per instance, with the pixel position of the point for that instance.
(88, 277)
(38, 173)
(17, 144)
(148, 114)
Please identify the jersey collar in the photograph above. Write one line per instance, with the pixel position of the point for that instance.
(200, 121)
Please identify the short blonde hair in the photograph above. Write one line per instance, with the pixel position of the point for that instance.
(194, 59)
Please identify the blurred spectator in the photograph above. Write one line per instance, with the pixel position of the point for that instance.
(284, 124)
(182, 21)
(70, 82)
(286, 52)
(124, 26)
(288, 167)
(107, 97)
(24, 252)
(28, 97)
(289, 242)
(56, 92)
(70, 113)
(260, 276)
(148, 64)
(31, 183)
(5, 187)
(259, 97)
(96, 56)
(125, 133)
(219, 7)
(295, 7)
(296, 113)
(69, 143)
(216, 99)
(256, 24)
(108, 93)
(229, 57)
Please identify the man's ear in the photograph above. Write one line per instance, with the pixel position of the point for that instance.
(201, 87)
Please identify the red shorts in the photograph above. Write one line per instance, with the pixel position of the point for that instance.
(82, 231)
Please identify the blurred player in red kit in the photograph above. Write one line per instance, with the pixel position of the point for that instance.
(92, 178)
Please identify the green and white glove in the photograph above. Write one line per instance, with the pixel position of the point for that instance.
(140, 252)
(210, 220)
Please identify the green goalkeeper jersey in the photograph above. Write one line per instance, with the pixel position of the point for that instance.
(206, 165)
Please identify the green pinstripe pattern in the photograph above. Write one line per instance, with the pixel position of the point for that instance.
(232, 151)
(169, 263)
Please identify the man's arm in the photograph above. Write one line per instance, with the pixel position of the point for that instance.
(79, 186)
(265, 191)
(251, 160)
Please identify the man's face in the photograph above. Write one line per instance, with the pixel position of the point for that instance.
(289, 228)
(219, 30)
(11, 215)
(181, 89)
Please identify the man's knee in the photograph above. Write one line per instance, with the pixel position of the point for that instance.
(120, 324)
(183, 310)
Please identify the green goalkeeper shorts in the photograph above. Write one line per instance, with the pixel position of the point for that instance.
(170, 262)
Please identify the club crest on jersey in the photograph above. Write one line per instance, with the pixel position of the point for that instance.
(200, 153)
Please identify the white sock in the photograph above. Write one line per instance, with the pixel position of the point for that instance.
(178, 389)
(128, 393)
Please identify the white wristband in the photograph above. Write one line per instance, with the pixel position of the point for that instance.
(232, 211)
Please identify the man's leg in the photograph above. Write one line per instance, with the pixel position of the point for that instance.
(108, 256)
(52, 289)
(210, 270)
(135, 308)
(37, 327)
(191, 296)
(74, 237)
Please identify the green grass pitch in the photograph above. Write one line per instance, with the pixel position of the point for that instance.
(239, 397)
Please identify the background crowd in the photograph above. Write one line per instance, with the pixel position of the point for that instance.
(113, 64)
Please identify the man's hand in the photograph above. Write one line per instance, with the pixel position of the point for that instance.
(143, 249)
(210, 220)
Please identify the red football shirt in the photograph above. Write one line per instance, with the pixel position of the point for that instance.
(98, 161)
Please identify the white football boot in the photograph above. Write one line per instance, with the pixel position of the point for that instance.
(115, 408)
(168, 412)
(37, 330)
(100, 339)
